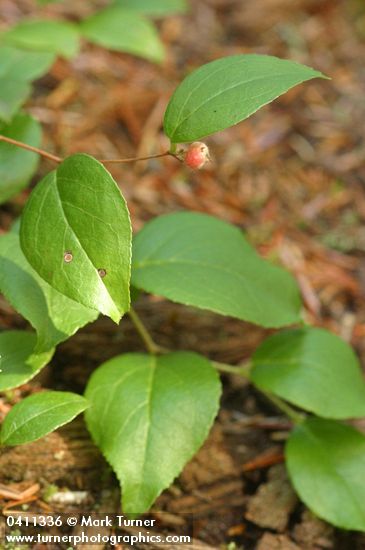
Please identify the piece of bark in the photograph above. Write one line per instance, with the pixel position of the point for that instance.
(211, 464)
(276, 542)
(62, 458)
(313, 533)
(274, 501)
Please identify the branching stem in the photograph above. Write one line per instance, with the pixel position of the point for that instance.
(135, 159)
(151, 346)
(244, 370)
(241, 370)
(27, 147)
(283, 406)
(55, 158)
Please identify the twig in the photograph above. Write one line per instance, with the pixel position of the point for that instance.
(244, 370)
(135, 159)
(27, 147)
(55, 158)
(151, 346)
(241, 370)
(291, 413)
(264, 460)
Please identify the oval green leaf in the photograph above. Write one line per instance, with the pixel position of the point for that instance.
(76, 233)
(54, 316)
(17, 166)
(58, 37)
(18, 64)
(326, 464)
(38, 415)
(313, 369)
(157, 8)
(198, 260)
(227, 91)
(149, 415)
(18, 362)
(13, 93)
(124, 31)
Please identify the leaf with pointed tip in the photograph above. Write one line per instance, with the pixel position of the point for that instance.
(54, 316)
(313, 369)
(326, 464)
(201, 261)
(149, 415)
(227, 91)
(58, 37)
(18, 362)
(76, 233)
(17, 166)
(39, 414)
(124, 31)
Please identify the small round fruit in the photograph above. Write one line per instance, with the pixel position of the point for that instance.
(196, 155)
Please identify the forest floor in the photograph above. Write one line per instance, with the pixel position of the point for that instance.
(292, 177)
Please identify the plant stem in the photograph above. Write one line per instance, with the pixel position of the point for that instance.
(241, 370)
(244, 370)
(135, 159)
(22, 145)
(57, 159)
(283, 406)
(151, 346)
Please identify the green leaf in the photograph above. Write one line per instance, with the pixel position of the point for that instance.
(313, 369)
(17, 68)
(57, 37)
(135, 294)
(18, 363)
(54, 316)
(17, 166)
(157, 8)
(326, 463)
(39, 414)
(13, 93)
(76, 233)
(228, 90)
(204, 262)
(18, 64)
(149, 415)
(124, 31)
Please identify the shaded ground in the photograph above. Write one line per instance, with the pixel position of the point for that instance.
(292, 176)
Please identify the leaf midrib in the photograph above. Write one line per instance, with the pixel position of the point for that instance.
(225, 90)
(78, 240)
(146, 445)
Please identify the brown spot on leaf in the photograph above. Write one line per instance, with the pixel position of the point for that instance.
(102, 273)
(68, 257)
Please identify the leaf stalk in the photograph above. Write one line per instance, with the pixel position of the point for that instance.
(244, 370)
(142, 330)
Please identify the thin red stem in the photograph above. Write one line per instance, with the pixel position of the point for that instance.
(135, 159)
(44, 154)
(55, 158)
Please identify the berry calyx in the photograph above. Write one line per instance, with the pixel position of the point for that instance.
(196, 155)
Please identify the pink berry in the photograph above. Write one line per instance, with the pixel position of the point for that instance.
(196, 155)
